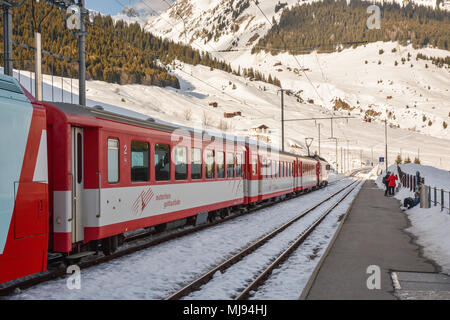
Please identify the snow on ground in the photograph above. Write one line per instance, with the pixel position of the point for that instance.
(430, 226)
(156, 272)
(230, 283)
(286, 282)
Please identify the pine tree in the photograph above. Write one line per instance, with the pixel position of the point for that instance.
(399, 159)
(408, 160)
(416, 160)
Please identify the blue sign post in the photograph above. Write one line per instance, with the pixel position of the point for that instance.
(381, 160)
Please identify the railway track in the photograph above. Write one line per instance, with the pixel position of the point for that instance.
(206, 277)
(135, 243)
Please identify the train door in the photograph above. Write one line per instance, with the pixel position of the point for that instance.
(260, 169)
(77, 184)
(245, 173)
(318, 173)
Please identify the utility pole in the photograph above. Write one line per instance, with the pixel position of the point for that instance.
(337, 159)
(38, 61)
(386, 143)
(331, 127)
(360, 158)
(7, 39)
(319, 137)
(371, 163)
(282, 119)
(82, 56)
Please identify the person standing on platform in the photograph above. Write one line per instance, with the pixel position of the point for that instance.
(392, 178)
(386, 183)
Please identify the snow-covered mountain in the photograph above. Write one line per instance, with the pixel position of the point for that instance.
(378, 81)
(214, 25)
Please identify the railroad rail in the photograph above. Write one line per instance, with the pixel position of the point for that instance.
(206, 277)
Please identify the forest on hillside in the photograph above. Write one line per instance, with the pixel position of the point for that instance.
(331, 25)
(115, 52)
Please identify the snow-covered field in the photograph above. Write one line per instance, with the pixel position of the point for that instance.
(156, 272)
(430, 226)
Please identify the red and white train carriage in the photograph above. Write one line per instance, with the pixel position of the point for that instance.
(110, 174)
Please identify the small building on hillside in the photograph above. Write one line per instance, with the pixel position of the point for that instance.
(260, 129)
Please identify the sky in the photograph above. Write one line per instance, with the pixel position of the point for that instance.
(112, 7)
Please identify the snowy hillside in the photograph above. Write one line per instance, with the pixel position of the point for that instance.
(259, 104)
(376, 82)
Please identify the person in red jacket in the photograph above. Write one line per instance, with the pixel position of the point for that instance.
(391, 184)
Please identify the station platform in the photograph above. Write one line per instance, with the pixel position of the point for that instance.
(372, 234)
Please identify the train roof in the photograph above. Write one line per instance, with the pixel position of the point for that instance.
(11, 89)
(99, 112)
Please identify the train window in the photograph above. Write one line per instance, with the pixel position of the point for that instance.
(79, 158)
(276, 168)
(113, 160)
(254, 166)
(162, 162)
(220, 165)
(209, 164)
(180, 163)
(196, 163)
(230, 165)
(239, 165)
(139, 161)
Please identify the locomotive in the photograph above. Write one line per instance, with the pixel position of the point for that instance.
(77, 179)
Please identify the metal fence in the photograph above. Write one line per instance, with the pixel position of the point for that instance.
(439, 197)
(436, 196)
(410, 181)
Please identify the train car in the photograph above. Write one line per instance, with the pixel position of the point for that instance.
(112, 174)
(23, 183)
(324, 167)
(309, 177)
(271, 173)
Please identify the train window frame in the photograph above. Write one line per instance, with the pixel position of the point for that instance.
(185, 177)
(218, 175)
(192, 163)
(144, 158)
(254, 166)
(108, 159)
(230, 156)
(156, 163)
(241, 165)
(207, 163)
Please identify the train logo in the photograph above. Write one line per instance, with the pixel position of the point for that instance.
(142, 201)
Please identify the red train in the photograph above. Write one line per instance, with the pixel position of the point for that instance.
(76, 179)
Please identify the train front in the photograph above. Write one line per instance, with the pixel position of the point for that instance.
(23, 183)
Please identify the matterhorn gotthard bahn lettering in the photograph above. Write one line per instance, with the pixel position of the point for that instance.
(219, 150)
